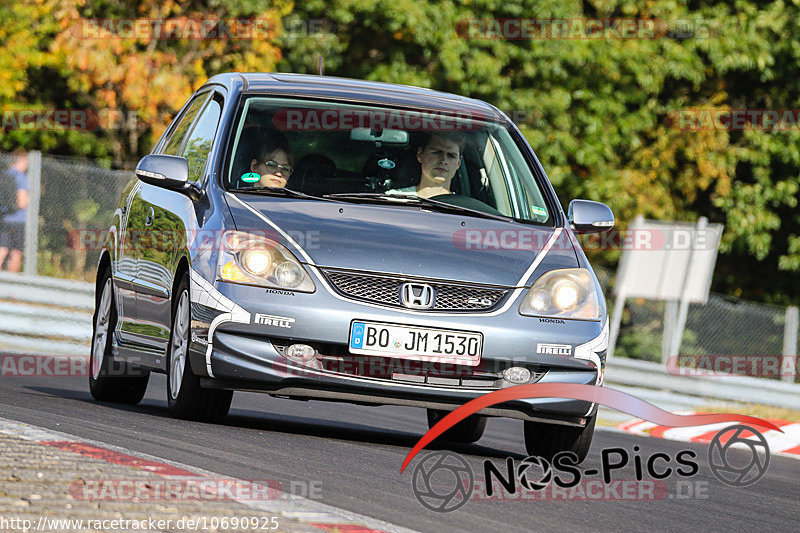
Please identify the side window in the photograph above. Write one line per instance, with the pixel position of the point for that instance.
(200, 140)
(175, 140)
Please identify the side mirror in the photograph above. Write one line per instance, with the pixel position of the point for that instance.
(586, 216)
(168, 171)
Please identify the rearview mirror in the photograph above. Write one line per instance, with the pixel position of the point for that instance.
(586, 216)
(168, 171)
(382, 136)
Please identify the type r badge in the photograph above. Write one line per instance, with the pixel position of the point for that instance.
(271, 320)
(554, 349)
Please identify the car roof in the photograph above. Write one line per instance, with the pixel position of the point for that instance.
(331, 87)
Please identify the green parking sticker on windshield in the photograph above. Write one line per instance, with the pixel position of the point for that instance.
(250, 177)
(539, 210)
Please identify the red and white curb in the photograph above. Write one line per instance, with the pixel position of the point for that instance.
(786, 443)
(322, 516)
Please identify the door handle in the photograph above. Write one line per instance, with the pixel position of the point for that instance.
(150, 217)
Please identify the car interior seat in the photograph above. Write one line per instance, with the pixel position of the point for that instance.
(249, 142)
(314, 174)
(407, 173)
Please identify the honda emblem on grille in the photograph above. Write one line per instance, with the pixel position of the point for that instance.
(417, 295)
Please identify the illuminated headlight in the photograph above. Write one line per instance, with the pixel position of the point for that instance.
(564, 293)
(254, 260)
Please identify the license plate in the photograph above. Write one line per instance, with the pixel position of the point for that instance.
(406, 342)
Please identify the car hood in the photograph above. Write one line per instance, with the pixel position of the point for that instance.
(404, 240)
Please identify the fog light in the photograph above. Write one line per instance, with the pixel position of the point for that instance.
(300, 352)
(517, 374)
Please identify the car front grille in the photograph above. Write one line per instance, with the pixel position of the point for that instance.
(382, 289)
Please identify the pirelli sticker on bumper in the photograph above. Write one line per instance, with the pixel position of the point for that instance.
(271, 320)
(554, 349)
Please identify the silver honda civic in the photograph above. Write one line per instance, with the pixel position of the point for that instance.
(332, 239)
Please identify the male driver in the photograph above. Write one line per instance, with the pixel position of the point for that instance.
(12, 228)
(439, 159)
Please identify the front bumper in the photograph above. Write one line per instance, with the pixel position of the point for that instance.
(237, 350)
(243, 362)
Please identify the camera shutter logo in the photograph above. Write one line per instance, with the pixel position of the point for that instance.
(417, 295)
(443, 482)
(730, 442)
(526, 467)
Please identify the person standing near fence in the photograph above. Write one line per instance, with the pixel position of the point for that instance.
(12, 226)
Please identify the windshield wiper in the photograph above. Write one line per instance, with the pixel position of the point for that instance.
(369, 196)
(278, 191)
(413, 199)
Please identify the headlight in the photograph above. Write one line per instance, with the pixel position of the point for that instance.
(564, 293)
(255, 260)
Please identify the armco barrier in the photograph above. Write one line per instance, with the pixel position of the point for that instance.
(54, 317)
(77, 295)
(744, 389)
(40, 315)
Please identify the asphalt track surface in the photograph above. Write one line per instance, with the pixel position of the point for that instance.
(356, 453)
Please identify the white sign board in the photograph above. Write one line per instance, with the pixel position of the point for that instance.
(662, 255)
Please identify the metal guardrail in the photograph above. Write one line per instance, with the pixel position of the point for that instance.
(743, 389)
(77, 295)
(41, 315)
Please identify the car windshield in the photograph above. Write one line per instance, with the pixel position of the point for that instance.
(373, 154)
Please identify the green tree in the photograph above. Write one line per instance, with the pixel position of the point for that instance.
(598, 111)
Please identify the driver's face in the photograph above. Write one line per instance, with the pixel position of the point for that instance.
(439, 159)
(270, 175)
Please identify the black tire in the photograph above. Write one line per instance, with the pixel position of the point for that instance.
(111, 380)
(189, 401)
(467, 431)
(546, 440)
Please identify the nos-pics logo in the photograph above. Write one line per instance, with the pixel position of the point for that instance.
(738, 470)
(443, 481)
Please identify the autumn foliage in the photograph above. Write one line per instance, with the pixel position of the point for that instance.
(598, 110)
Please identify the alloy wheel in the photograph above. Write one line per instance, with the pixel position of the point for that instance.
(180, 344)
(101, 329)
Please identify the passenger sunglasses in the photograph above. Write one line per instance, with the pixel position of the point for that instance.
(273, 167)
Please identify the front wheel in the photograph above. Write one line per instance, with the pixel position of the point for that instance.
(546, 440)
(467, 431)
(185, 397)
(111, 380)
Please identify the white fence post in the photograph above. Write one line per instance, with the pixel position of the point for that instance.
(32, 222)
(668, 332)
(683, 309)
(616, 319)
(789, 366)
(620, 292)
